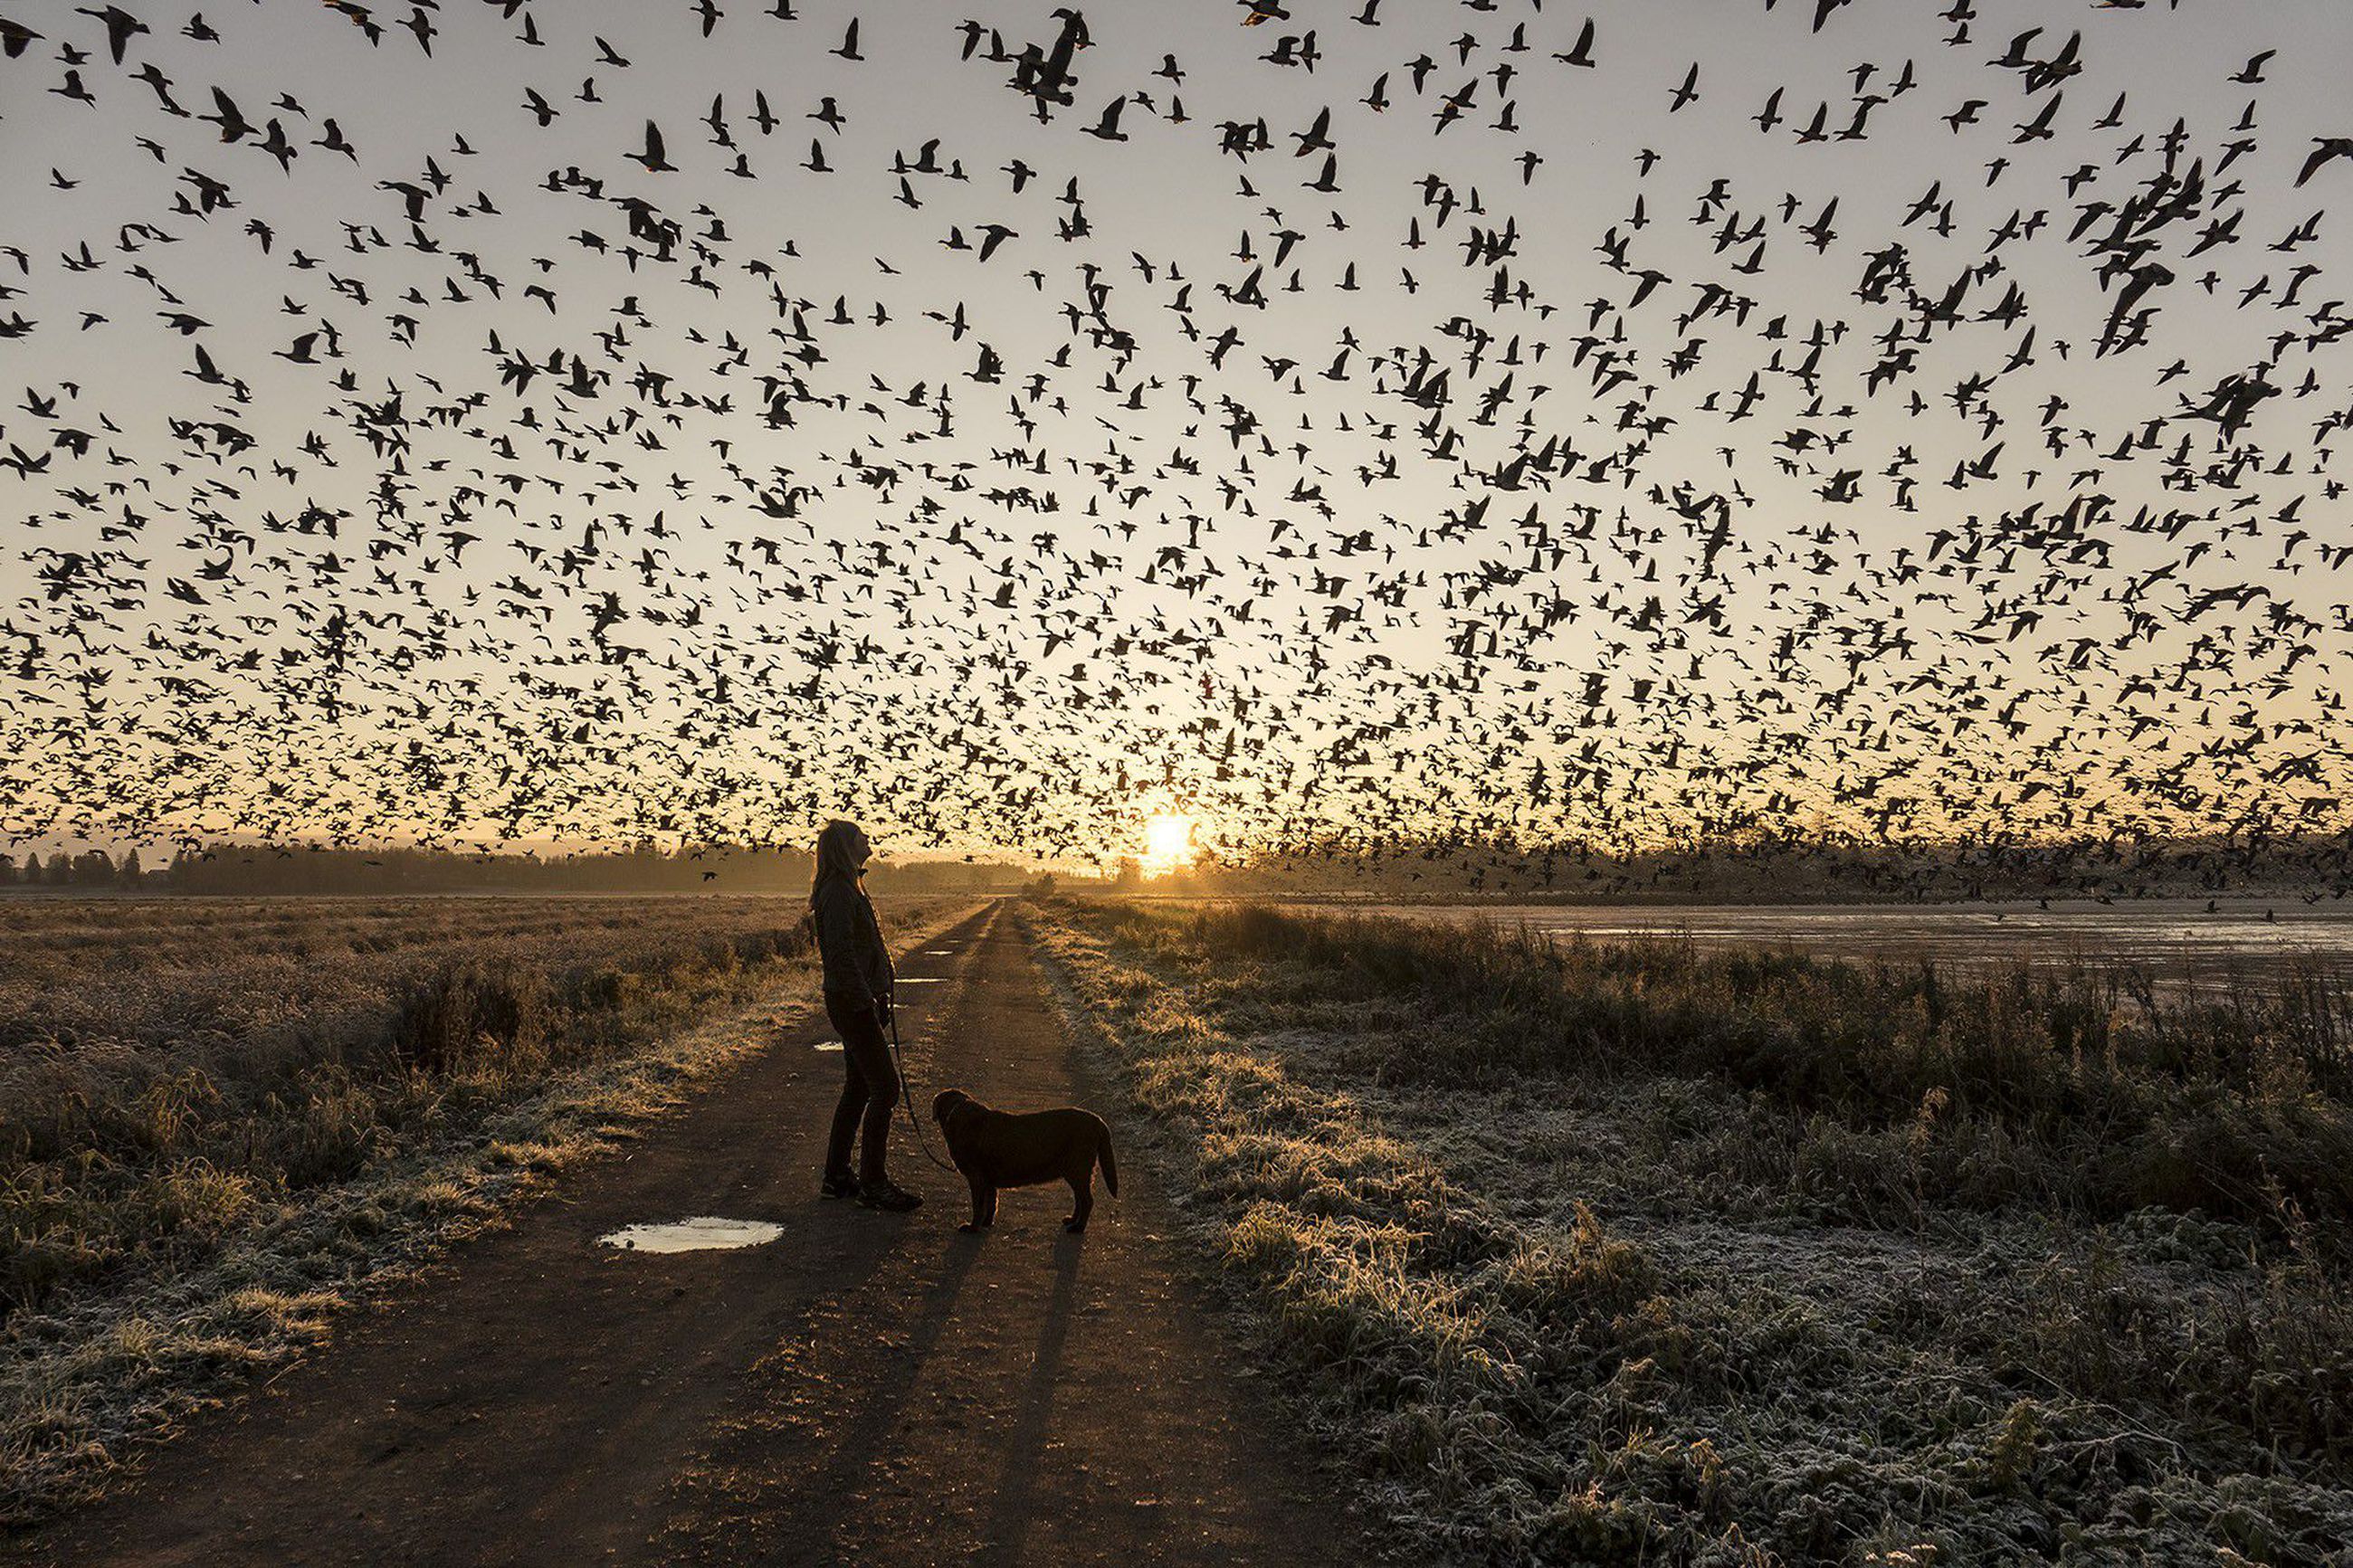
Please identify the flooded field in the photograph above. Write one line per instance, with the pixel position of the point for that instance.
(2177, 943)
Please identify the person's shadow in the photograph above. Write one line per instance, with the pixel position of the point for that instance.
(1025, 1443)
(867, 1432)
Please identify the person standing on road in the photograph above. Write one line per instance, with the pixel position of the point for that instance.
(858, 982)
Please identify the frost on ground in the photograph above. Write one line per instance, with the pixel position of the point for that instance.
(223, 1122)
(1602, 1278)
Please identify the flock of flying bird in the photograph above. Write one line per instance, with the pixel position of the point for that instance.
(1449, 422)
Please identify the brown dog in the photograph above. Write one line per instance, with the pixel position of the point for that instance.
(1001, 1149)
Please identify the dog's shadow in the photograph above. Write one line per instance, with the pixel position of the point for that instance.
(1025, 1441)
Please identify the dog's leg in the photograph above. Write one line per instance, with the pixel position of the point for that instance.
(984, 1206)
(1083, 1192)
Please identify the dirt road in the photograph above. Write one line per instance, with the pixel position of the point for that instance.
(868, 1388)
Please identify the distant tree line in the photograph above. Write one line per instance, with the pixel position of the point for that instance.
(263, 869)
(1761, 871)
(1771, 870)
(90, 868)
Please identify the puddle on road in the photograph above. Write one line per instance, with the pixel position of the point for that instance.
(939, 951)
(700, 1233)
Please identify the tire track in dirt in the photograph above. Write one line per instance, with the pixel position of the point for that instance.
(870, 1388)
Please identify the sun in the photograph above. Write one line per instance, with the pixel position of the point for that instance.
(1167, 842)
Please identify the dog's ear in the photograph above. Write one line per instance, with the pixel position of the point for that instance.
(944, 1102)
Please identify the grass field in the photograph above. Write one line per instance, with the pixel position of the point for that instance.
(220, 1119)
(1643, 1253)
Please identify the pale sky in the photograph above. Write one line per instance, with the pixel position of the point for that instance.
(1148, 569)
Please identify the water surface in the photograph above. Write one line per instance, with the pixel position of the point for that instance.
(2178, 942)
(701, 1234)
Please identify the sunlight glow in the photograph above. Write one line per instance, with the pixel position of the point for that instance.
(1167, 843)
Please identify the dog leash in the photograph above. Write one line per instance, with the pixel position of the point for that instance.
(906, 1090)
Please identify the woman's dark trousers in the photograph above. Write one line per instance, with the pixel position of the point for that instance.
(868, 1092)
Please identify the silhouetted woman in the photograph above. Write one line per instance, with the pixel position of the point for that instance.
(857, 993)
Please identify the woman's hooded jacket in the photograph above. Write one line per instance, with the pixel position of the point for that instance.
(848, 938)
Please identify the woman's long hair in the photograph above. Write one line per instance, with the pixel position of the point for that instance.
(836, 855)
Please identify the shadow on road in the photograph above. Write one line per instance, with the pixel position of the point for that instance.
(1025, 1447)
(880, 1405)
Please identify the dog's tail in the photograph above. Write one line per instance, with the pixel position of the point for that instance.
(1103, 1156)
